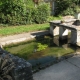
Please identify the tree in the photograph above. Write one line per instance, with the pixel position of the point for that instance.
(66, 7)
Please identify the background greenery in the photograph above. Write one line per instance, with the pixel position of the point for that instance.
(4, 31)
(17, 12)
(11, 30)
(66, 7)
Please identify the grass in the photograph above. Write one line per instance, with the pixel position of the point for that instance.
(26, 50)
(11, 30)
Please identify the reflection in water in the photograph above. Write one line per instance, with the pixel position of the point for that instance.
(49, 60)
(55, 47)
(65, 43)
(60, 43)
(56, 50)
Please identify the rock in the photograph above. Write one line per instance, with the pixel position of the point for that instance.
(22, 70)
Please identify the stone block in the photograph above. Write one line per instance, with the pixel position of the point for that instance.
(22, 70)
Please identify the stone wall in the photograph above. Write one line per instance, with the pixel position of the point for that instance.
(22, 70)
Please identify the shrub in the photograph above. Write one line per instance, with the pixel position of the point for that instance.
(42, 13)
(50, 18)
(66, 7)
(30, 15)
(16, 12)
(13, 11)
(68, 11)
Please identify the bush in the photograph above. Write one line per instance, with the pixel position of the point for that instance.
(66, 7)
(68, 11)
(42, 13)
(12, 11)
(22, 12)
(30, 15)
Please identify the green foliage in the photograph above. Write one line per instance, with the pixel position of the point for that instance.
(41, 46)
(50, 18)
(66, 7)
(15, 12)
(30, 15)
(68, 11)
(11, 30)
(42, 13)
(29, 3)
(77, 9)
(12, 11)
(6, 65)
(37, 14)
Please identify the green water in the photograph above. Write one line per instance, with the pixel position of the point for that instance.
(40, 47)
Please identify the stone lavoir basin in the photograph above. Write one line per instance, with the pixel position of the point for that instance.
(43, 51)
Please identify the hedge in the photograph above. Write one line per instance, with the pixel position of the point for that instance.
(66, 7)
(18, 12)
(42, 13)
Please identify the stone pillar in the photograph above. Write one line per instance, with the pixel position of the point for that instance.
(75, 37)
(54, 30)
(78, 36)
(63, 33)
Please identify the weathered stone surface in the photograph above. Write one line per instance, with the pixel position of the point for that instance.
(72, 24)
(22, 70)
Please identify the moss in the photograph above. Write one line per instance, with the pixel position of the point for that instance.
(28, 50)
